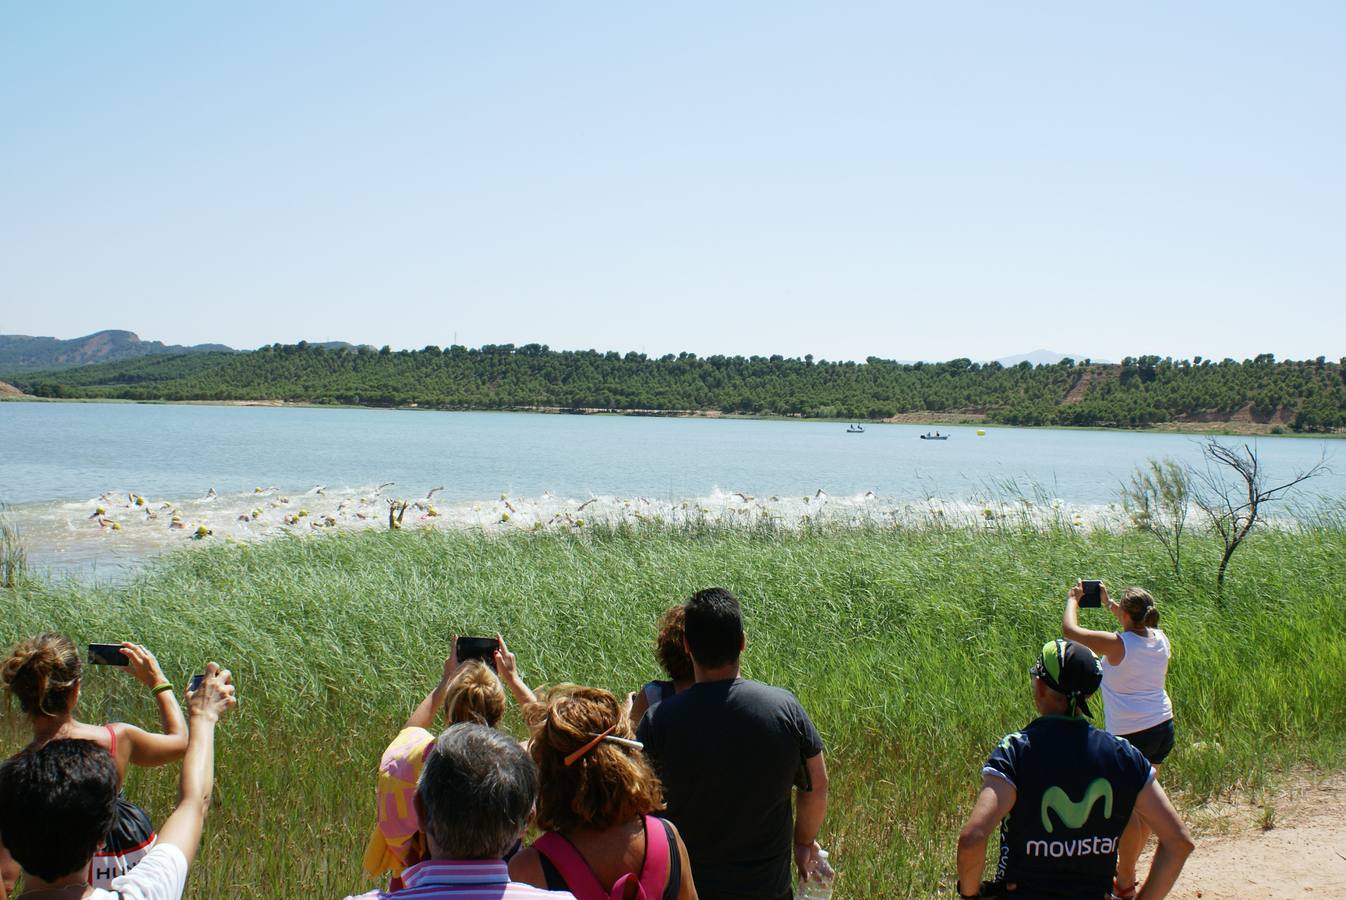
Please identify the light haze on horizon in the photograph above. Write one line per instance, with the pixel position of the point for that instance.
(909, 182)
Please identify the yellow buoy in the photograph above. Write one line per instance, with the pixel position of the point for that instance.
(981, 432)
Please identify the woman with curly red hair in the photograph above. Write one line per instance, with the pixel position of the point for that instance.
(596, 802)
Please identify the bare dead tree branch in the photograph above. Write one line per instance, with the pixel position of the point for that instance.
(1231, 490)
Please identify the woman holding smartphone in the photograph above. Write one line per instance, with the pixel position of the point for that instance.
(1136, 705)
(43, 674)
(469, 691)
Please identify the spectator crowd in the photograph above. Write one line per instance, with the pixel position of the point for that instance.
(706, 784)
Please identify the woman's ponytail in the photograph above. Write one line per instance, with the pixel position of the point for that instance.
(1140, 607)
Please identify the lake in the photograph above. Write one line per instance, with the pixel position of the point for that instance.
(248, 472)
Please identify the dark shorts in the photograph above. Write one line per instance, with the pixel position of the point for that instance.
(1155, 744)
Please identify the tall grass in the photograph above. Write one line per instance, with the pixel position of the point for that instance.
(909, 648)
(13, 555)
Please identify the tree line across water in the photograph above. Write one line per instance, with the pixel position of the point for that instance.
(1304, 395)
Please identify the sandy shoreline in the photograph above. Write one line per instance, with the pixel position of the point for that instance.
(1238, 426)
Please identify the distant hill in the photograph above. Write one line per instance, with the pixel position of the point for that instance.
(1043, 358)
(25, 353)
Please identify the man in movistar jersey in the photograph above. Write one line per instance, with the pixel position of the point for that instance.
(1063, 792)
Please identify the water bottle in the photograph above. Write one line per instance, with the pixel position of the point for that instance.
(819, 887)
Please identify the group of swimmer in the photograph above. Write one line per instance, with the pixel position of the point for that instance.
(151, 512)
(704, 784)
(274, 508)
(136, 501)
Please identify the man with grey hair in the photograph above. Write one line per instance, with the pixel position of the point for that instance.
(475, 795)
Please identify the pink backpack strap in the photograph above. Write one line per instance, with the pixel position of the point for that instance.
(655, 874)
(584, 884)
(579, 878)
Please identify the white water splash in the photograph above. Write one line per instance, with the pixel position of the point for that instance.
(121, 527)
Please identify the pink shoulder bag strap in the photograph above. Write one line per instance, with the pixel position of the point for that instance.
(582, 881)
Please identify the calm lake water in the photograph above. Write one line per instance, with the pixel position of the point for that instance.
(265, 464)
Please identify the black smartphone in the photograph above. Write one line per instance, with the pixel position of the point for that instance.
(195, 682)
(1093, 594)
(107, 655)
(478, 648)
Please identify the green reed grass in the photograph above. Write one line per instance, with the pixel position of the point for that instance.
(13, 554)
(909, 648)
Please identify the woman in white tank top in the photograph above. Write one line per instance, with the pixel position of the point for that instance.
(1136, 705)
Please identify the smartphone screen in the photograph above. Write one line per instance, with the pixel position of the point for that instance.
(195, 683)
(481, 648)
(107, 655)
(1093, 594)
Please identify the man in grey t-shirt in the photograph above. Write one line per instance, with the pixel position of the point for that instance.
(730, 752)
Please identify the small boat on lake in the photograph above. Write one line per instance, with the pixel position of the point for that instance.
(934, 436)
(855, 429)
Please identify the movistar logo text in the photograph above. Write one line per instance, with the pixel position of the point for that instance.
(1072, 814)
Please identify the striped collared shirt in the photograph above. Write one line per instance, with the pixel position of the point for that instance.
(475, 879)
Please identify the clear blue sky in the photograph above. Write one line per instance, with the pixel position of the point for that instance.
(922, 181)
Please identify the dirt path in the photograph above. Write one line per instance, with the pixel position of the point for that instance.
(1302, 854)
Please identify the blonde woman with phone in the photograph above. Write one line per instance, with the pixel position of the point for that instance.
(469, 690)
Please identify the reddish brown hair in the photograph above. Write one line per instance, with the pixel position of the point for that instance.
(609, 784)
(668, 646)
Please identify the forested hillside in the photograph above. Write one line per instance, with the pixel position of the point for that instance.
(1308, 395)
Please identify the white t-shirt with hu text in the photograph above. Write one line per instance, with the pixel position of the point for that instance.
(161, 875)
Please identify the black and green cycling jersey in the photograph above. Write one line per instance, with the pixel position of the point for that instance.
(1076, 787)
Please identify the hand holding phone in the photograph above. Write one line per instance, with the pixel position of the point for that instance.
(141, 665)
(482, 648)
(213, 694)
(1092, 595)
(107, 655)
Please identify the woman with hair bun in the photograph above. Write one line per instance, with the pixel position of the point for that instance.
(1135, 703)
(596, 802)
(469, 691)
(44, 675)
